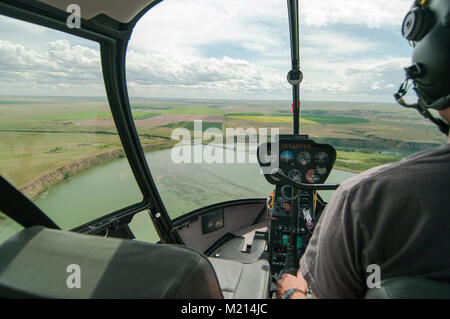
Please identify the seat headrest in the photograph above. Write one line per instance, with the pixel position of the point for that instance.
(34, 264)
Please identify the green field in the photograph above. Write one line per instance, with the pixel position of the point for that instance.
(190, 125)
(268, 119)
(194, 111)
(97, 115)
(357, 162)
(335, 119)
(41, 135)
(78, 116)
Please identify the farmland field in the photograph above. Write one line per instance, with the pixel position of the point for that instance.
(47, 143)
(268, 119)
(39, 135)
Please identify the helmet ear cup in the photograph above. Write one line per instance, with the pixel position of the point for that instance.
(417, 23)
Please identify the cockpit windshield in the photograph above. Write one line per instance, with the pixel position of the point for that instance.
(214, 66)
(56, 142)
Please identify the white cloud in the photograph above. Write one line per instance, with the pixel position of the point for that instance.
(75, 69)
(334, 44)
(343, 80)
(369, 13)
(166, 43)
(325, 78)
(176, 27)
(167, 54)
(73, 57)
(221, 78)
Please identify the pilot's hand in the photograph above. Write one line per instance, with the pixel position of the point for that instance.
(289, 282)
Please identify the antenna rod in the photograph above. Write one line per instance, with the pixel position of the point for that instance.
(295, 76)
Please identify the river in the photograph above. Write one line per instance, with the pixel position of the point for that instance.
(183, 188)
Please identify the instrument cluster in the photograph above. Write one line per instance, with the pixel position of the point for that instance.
(304, 160)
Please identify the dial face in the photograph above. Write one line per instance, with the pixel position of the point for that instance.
(295, 175)
(321, 170)
(312, 176)
(321, 158)
(287, 156)
(286, 192)
(304, 158)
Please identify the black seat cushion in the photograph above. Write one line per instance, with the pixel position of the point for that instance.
(33, 264)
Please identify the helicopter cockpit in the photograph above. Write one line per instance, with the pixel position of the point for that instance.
(235, 249)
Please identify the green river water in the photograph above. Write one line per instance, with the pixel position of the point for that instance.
(183, 188)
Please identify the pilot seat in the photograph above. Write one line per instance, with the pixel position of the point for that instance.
(44, 263)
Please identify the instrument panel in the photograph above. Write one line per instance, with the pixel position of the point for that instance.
(280, 216)
(302, 160)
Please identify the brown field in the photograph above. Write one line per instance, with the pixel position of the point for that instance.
(159, 120)
(39, 135)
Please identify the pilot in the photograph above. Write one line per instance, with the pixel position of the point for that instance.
(392, 220)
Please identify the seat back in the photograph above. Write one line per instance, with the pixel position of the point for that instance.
(44, 263)
(410, 288)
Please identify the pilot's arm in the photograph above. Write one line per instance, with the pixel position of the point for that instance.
(293, 282)
(331, 264)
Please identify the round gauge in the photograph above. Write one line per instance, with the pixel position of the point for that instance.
(295, 175)
(312, 176)
(304, 158)
(321, 170)
(286, 192)
(321, 158)
(287, 156)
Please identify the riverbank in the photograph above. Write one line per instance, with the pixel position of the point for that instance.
(46, 181)
(352, 162)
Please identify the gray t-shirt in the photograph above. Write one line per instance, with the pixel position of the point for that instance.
(396, 216)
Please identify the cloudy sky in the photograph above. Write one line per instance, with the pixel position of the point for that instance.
(351, 50)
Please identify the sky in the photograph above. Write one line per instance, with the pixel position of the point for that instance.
(350, 50)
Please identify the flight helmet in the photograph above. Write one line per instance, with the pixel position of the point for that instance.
(427, 27)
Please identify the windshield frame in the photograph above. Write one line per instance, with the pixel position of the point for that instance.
(113, 38)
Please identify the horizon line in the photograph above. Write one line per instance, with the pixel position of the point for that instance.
(195, 98)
